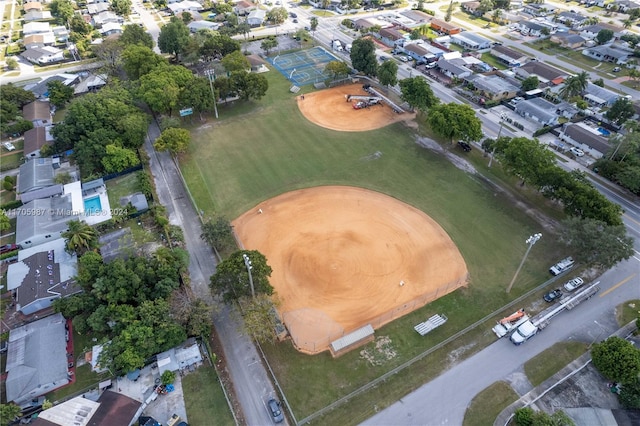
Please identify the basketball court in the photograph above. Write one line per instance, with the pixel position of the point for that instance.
(305, 66)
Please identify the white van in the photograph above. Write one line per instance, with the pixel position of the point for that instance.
(337, 46)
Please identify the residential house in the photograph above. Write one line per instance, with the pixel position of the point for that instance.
(568, 40)
(111, 408)
(43, 55)
(180, 358)
(624, 6)
(508, 56)
(256, 17)
(585, 138)
(472, 8)
(37, 112)
(111, 28)
(185, 6)
(41, 275)
(493, 87)
(105, 17)
(40, 89)
(539, 9)
(369, 23)
(33, 6)
(391, 37)
(599, 96)
(96, 8)
(572, 19)
(471, 41)
(416, 18)
(607, 53)
(91, 84)
(35, 139)
(453, 70)
(243, 7)
(591, 32)
(35, 28)
(61, 32)
(195, 26)
(538, 109)
(38, 40)
(547, 75)
(444, 27)
(36, 359)
(137, 200)
(529, 28)
(35, 174)
(422, 52)
(37, 16)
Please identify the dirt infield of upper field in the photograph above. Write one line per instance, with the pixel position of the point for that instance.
(329, 108)
(344, 257)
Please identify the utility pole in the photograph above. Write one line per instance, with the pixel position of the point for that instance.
(211, 75)
(503, 117)
(247, 263)
(530, 241)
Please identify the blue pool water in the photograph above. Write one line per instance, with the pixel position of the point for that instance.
(92, 205)
(603, 132)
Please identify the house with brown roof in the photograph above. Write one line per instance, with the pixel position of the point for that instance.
(33, 6)
(243, 7)
(37, 112)
(509, 57)
(568, 40)
(35, 139)
(472, 8)
(391, 37)
(444, 27)
(547, 75)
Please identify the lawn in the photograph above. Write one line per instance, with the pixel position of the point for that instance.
(546, 364)
(491, 60)
(204, 399)
(11, 161)
(266, 148)
(486, 405)
(7, 196)
(627, 312)
(121, 187)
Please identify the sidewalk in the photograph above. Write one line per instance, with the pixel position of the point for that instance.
(600, 393)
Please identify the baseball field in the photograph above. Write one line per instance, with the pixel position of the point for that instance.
(261, 150)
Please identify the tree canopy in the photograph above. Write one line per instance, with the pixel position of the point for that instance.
(337, 69)
(59, 93)
(388, 73)
(277, 15)
(530, 82)
(139, 60)
(363, 57)
(455, 121)
(174, 140)
(417, 93)
(236, 61)
(617, 359)
(249, 85)
(135, 34)
(526, 158)
(174, 37)
(231, 279)
(620, 111)
(604, 35)
(80, 237)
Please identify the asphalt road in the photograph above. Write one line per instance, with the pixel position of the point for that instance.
(250, 380)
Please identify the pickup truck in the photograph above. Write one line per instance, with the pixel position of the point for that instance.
(524, 332)
(562, 266)
(573, 284)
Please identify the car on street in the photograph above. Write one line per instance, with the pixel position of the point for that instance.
(383, 58)
(403, 58)
(573, 284)
(274, 410)
(576, 151)
(295, 21)
(552, 295)
(293, 15)
(7, 248)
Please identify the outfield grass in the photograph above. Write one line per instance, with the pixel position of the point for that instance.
(204, 399)
(547, 363)
(486, 405)
(266, 148)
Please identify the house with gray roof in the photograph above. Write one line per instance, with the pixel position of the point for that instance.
(471, 41)
(256, 17)
(96, 8)
(391, 37)
(452, 70)
(509, 57)
(37, 16)
(607, 53)
(530, 28)
(547, 75)
(493, 87)
(137, 200)
(590, 32)
(423, 52)
(599, 96)
(179, 358)
(572, 19)
(35, 174)
(36, 359)
(624, 6)
(568, 40)
(585, 138)
(539, 9)
(538, 109)
(41, 275)
(49, 191)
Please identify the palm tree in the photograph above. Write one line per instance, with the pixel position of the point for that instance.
(627, 23)
(575, 85)
(497, 14)
(80, 237)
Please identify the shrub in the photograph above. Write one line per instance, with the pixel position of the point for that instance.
(168, 377)
(7, 185)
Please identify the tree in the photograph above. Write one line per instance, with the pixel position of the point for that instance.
(121, 7)
(138, 60)
(5, 223)
(313, 24)
(218, 233)
(530, 83)
(496, 16)
(388, 73)
(63, 178)
(337, 69)
(118, 159)
(634, 74)
(596, 243)
(173, 37)
(80, 237)
(604, 36)
(135, 34)
(236, 61)
(599, 82)
(630, 395)
(249, 85)
(173, 140)
(223, 8)
(231, 279)
(62, 9)
(193, 313)
(363, 56)
(12, 64)
(110, 53)
(620, 111)
(486, 6)
(78, 25)
(447, 16)
(259, 314)
(417, 93)
(268, 44)
(186, 17)
(277, 15)
(161, 87)
(525, 158)
(617, 359)
(455, 121)
(8, 413)
(168, 377)
(574, 85)
(59, 93)
(545, 31)
(197, 96)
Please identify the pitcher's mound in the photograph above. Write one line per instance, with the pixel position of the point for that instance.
(329, 108)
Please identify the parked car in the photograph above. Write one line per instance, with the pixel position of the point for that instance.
(552, 295)
(295, 21)
(573, 284)
(293, 15)
(577, 151)
(465, 146)
(403, 58)
(274, 409)
(616, 69)
(7, 248)
(8, 146)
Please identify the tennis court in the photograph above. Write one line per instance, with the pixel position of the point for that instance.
(305, 66)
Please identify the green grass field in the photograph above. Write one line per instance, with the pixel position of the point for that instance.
(265, 148)
(546, 364)
(204, 398)
(486, 406)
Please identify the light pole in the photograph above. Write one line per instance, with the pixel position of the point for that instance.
(602, 331)
(211, 75)
(530, 241)
(503, 116)
(247, 263)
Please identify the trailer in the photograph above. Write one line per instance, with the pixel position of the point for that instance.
(530, 328)
(508, 324)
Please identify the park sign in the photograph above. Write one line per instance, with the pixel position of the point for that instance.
(186, 111)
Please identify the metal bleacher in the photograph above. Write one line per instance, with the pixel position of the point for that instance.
(433, 322)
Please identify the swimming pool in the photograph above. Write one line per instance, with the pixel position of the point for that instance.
(603, 132)
(92, 205)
